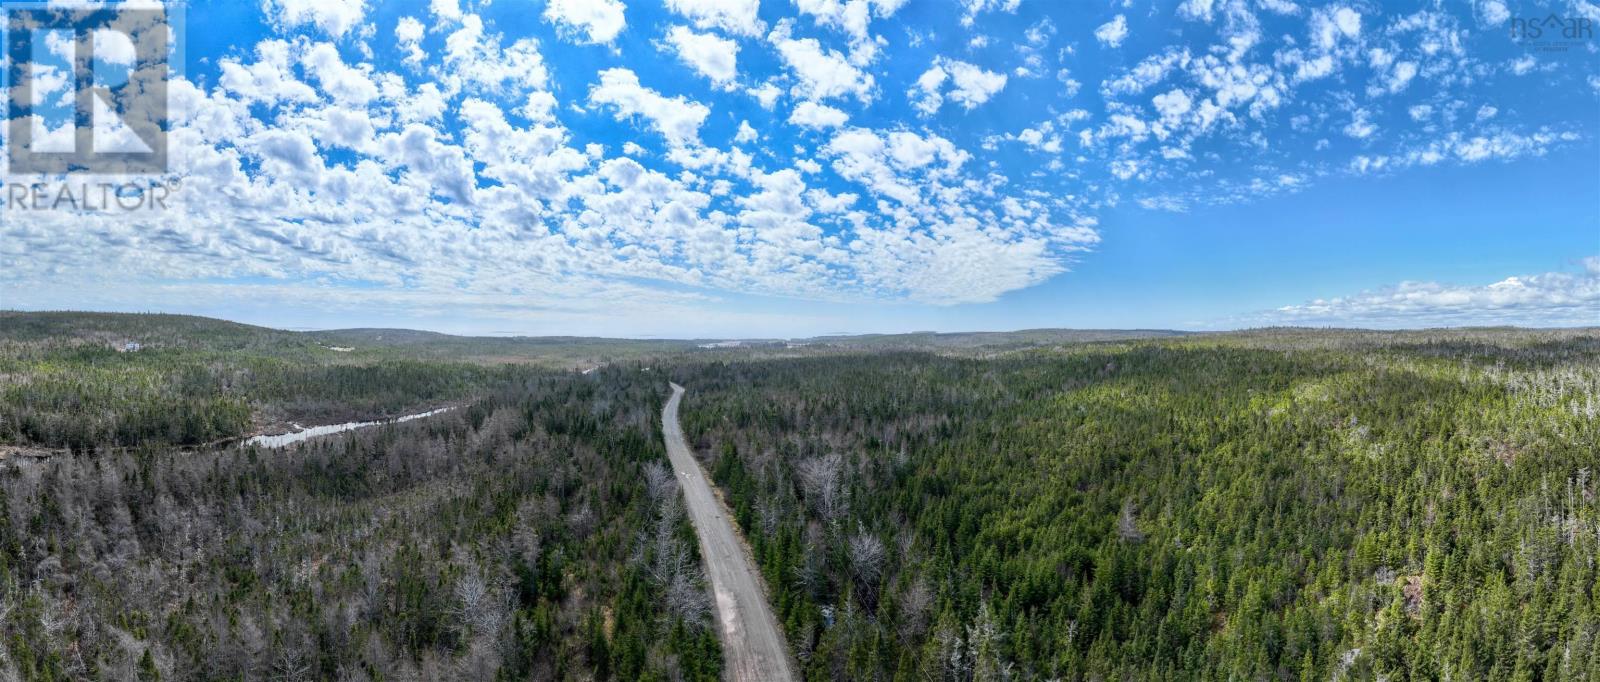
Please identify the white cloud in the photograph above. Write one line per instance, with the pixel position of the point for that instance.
(1329, 25)
(445, 10)
(1125, 168)
(822, 72)
(1551, 298)
(766, 95)
(477, 61)
(598, 20)
(331, 161)
(712, 56)
(972, 8)
(345, 84)
(270, 78)
(738, 17)
(1042, 138)
(910, 151)
(1360, 127)
(813, 115)
(746, 134)
(1279, 6)
(1401, 76)
(1492, 12)
(1170, 204)
(850, 16)
(408, 35)
(295, 150)
(466, 161)
(1199, 10)
(1172, 105)
(973, 85)
(1148, 72)
(1112, 32)
(333, 17)
(1499, 145)
(928, 94)
(676, 118)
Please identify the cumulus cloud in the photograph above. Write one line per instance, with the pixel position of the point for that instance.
(441, 162)
(709, 55)
(1172, 105)
(766, 95)
(1499, 145)
(972, 85)
(333, 17)
(677, 118)
(591, 21)
(850, 16)
(1112, 32)
(747, 133)
(1330, 25)
(1360, 126)
(813, 115)
(738, 17)
(822, 72)
(972, 8)
(477, 61)
(459, 181)
(1561, 297)
(1492, 12)
(408, 35)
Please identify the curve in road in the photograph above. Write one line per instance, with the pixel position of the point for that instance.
(753, 647)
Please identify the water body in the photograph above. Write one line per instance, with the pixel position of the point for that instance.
(281, 440)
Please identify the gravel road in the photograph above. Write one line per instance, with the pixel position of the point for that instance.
(752, 643)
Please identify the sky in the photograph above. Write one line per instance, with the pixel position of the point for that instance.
(784, 168)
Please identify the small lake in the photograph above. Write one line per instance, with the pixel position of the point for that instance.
(281, 440)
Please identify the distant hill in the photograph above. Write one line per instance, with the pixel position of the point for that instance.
(153, 331)
(150, 330)
(161, 330)
(157, 331)
(1014, 339)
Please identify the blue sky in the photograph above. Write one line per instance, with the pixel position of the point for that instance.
(794, 167)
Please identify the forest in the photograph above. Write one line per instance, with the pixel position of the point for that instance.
(533, 534)
(1280, 504)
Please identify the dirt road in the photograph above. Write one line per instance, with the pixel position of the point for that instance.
(752, 643)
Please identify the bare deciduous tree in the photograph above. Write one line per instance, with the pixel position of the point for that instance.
(866, 557)
(687, 600)
(659, 481)
(914, 607)
(479, 605)
(821, 477)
